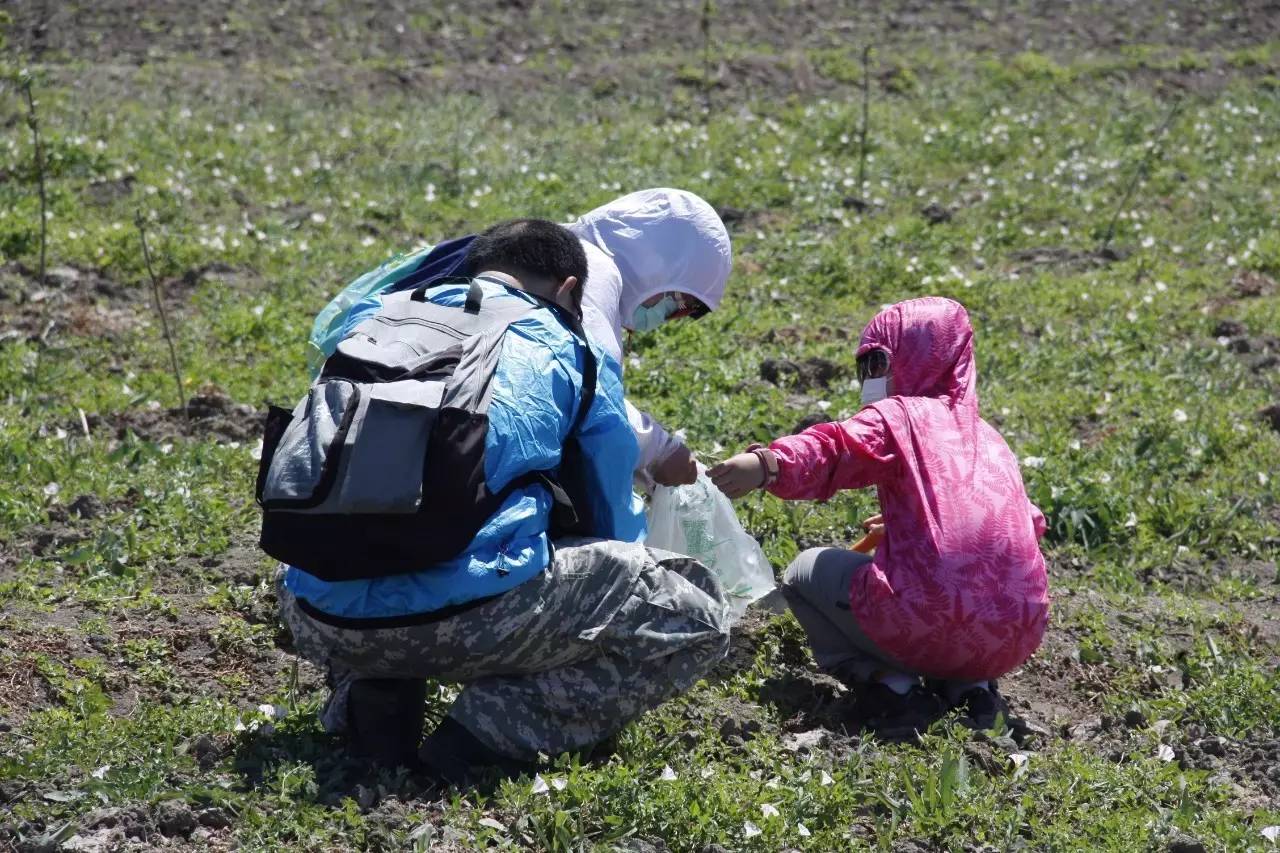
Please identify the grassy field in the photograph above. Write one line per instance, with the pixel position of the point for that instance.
(147, 696)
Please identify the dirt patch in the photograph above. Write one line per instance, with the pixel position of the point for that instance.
(75, 300)
(1271, 414)
(143, 826)
(1259, 353)
(1196, 576)
(1245, 284)
(792, 335)
(1250, 284)
(514, 47)
(1060, 695)
(85, 302)
(936, 214)
(67, 526)
(210, 415)
(803, 375)
(236, 649)
(1062, 257)
(183, 651)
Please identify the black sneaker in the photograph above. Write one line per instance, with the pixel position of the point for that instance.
(897, 716)
(454, 757)
(384, 717)
(984, 707)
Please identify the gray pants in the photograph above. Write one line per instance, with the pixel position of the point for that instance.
(816, 587)
(561, 662)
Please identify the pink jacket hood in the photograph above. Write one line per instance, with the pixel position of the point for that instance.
(930, 347)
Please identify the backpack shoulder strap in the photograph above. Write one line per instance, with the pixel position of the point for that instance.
(587, 396)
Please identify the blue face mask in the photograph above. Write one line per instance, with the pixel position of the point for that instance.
(647, 319)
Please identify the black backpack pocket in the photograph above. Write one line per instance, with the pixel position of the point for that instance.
(303, 465)
(273, 427)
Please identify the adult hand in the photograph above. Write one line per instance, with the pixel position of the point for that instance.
(738, 475)
(678, 469)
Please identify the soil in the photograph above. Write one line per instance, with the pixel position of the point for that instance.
(792, 335)
(1056, 697)
(1066, 258)
(87, 303)
(804, 375)
(209, 415)
(504, 48)
(199, 648)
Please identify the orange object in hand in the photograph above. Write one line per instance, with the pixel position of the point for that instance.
(875, 533)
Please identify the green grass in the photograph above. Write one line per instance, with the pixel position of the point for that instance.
(1136, 427)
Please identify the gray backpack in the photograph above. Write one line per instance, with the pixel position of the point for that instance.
(379, 470)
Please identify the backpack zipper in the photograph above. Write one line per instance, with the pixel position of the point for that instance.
(416, 321)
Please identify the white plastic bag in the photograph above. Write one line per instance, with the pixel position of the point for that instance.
(698, 520)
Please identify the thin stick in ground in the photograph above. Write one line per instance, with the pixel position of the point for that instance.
(708, 7)
(164, 319)
(33, 121)
(1138, 175)
(866, 119)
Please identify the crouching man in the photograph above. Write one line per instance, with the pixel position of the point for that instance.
(426, 551)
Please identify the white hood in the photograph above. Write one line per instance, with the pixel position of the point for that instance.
(660, 240)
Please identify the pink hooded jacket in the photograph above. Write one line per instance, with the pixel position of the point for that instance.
(957, 589)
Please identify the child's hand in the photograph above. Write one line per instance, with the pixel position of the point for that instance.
(875, 534)
(738, 475)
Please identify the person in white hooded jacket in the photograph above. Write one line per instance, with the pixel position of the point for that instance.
(653, 256)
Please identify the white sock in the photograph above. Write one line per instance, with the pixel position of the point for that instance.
(899, 682)
(956, 689)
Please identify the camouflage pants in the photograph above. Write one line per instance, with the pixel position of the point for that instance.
(561, 662)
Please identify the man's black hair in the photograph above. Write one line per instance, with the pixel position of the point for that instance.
(530, 248)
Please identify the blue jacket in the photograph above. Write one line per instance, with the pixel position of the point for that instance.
(535, 399)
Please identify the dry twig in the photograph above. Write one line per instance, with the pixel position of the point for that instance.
(164, 319)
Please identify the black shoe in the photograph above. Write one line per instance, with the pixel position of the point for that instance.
(385, 720)
(453, 756)
(894, 716)
(984, 707)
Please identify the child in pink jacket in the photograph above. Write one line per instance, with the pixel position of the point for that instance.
(956, 591)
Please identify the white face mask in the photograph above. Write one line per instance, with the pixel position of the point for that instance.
(874, 390)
